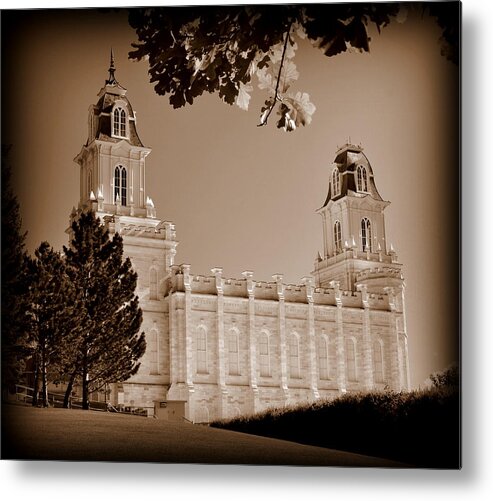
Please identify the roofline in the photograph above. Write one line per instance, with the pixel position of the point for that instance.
(86, 147)
(385, 203)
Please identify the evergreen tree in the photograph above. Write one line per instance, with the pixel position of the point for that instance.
(108, 343)
(53, 319)
(15, 341)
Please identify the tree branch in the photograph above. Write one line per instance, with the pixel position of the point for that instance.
(276, 96)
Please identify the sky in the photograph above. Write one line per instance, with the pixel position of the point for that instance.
(241, 196)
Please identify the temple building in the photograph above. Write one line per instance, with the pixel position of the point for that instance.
(231, 346)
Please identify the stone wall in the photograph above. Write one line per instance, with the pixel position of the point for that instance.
(206, 342)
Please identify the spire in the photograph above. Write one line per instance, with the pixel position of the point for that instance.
(111, 80)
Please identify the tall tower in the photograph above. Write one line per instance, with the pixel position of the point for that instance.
(113, 184)
(355, 244)
(356, 255)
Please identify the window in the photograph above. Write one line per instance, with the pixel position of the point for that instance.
(121, 184)
(153, 283)
(89, 183)
(264, 352)
(378, 361)
(123, 194)
(119, 122)
(366, 234)
(362, 179)
(323, 358)
(153, 352)
(337, 237)
(336, 182)
(117, 182)
(201, 351)
(294, 356)
(233, 353)
(351, 359)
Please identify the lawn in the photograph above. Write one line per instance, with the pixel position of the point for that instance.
(67, 434)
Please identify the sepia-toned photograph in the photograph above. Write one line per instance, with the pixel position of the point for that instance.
(231, 235)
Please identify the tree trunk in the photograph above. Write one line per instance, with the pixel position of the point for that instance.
(85, 389)
(68, 391)
(36, 380)
(44, 384)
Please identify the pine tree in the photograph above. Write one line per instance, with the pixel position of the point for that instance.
(15, 339)
(108, 344)
(53, 318)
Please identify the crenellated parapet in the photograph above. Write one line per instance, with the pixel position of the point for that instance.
(139, 227)
(246, 287)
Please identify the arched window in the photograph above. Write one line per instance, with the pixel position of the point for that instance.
(351, 360)
(233, 353)
(378, 374)
(323, 358)
(153, 283)
(153, 352)
(294, 356)
(366, 234)
(201, 351)
(119, 122)
(123, 194)
(336, 182)
(121, 184)
(264, 354)
(362, 179)
(337, 237)
(89, 183)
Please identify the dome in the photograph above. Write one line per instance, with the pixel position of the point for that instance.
(102, 110)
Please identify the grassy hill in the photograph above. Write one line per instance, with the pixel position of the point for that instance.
(421, 428)
(76, 435)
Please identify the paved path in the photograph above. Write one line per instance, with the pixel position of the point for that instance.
(63, 434)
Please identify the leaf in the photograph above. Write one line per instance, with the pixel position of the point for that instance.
(275, 52)
(299, 29)
(265, 111)
(299, 110)
(243, 97)
(402, 14)
(304, 107)
(286, 122)
(228, 92)
(177, 99)
(265, 79)
(289, 75)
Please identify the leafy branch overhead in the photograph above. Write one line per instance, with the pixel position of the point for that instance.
(229, 49)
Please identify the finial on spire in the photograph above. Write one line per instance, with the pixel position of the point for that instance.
(111, 80)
